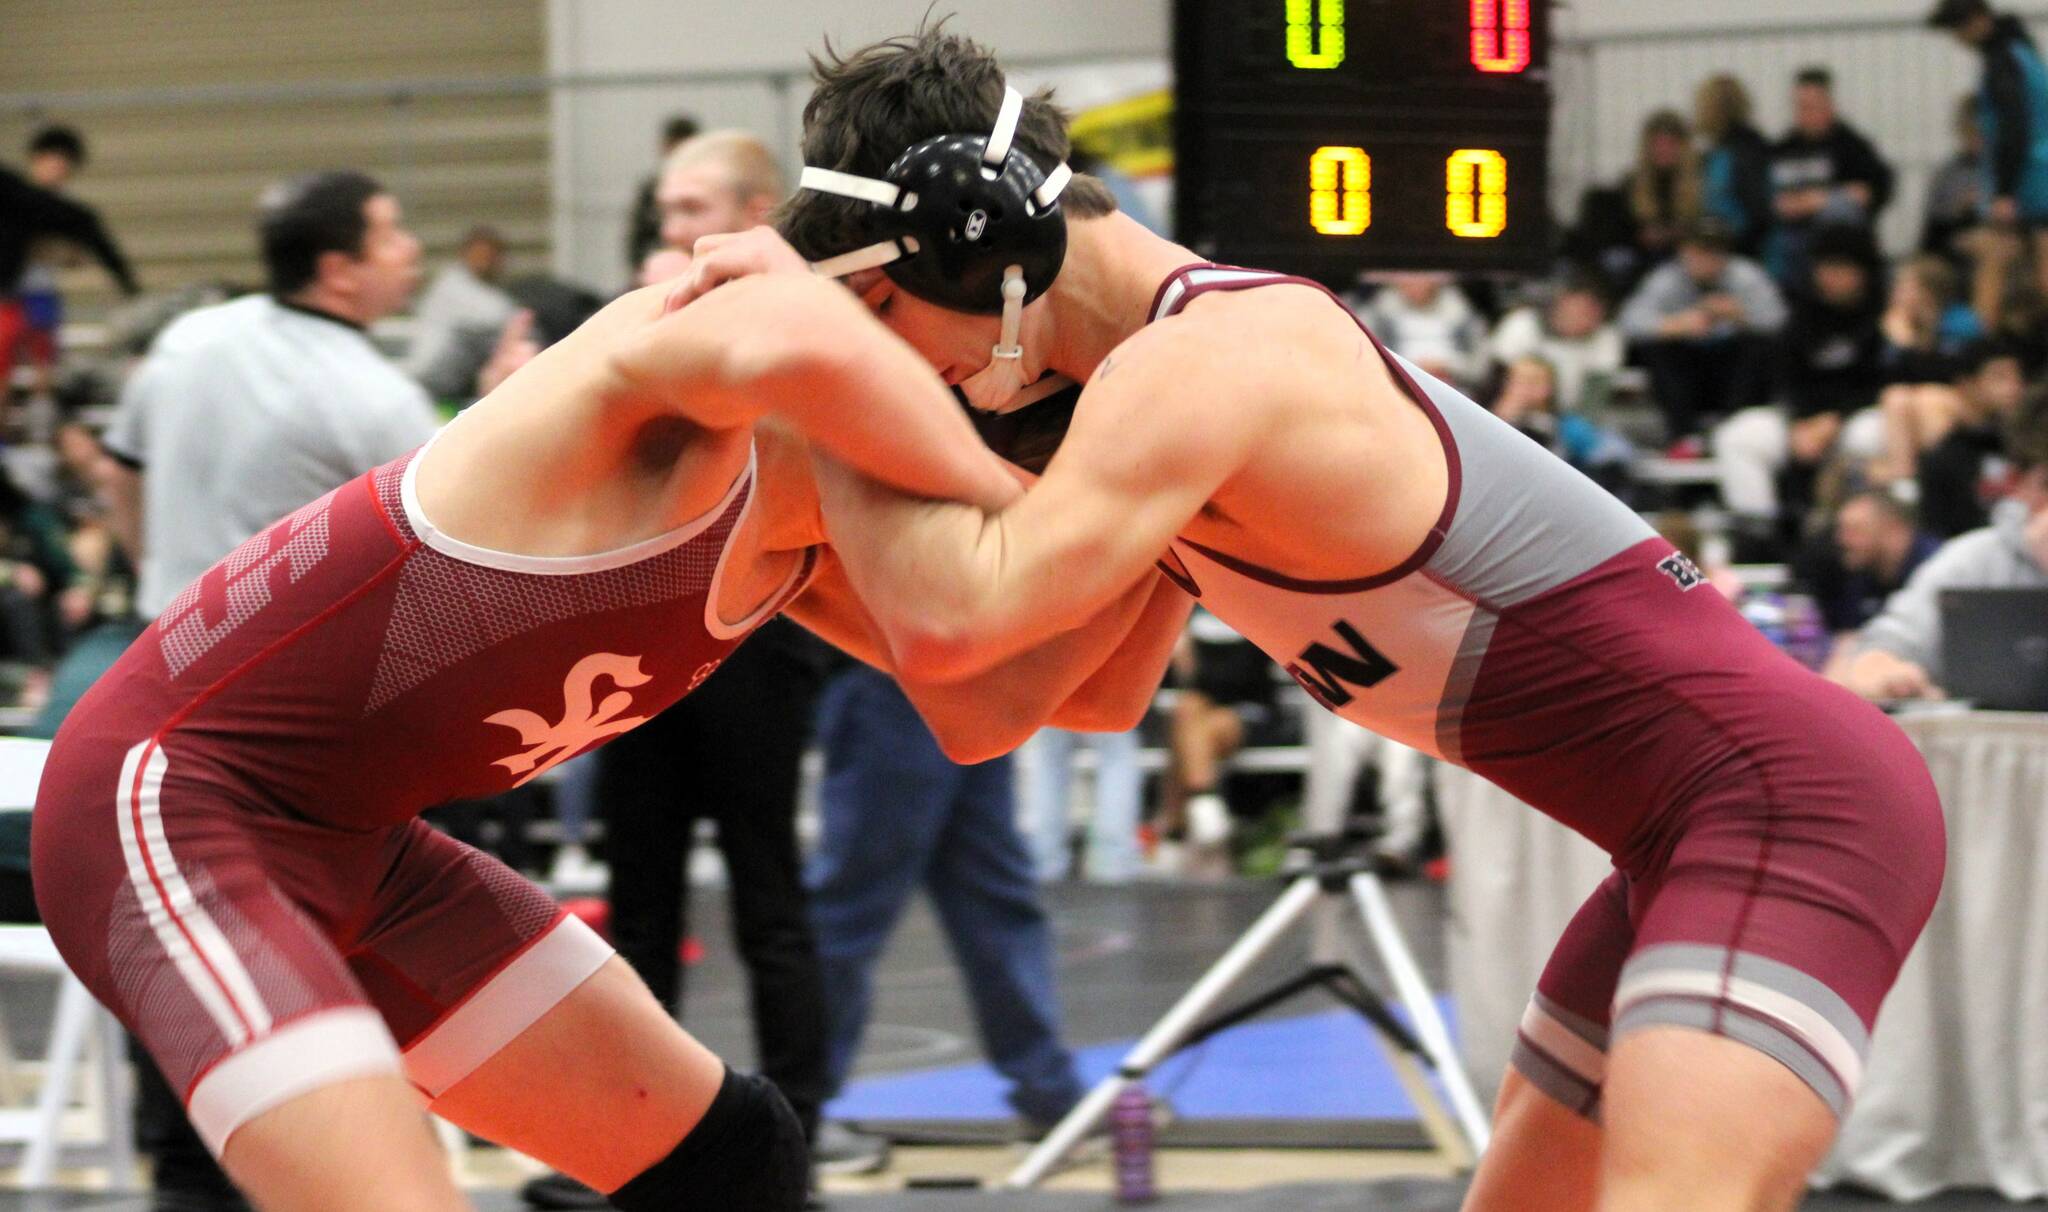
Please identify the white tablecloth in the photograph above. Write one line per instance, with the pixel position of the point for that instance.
(1956, 1094)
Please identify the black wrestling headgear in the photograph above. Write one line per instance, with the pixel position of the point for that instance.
(968, 222)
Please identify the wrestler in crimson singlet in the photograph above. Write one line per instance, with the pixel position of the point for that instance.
(227, 848)
(1778, 843)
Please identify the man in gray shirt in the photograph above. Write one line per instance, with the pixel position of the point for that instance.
(241, 413)
(1900, 652)
(1704, 324)
(245, 411)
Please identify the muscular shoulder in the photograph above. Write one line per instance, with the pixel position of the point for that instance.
(1226, 344)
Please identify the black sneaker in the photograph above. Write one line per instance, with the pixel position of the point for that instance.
(556, 1190)
(841, 1150)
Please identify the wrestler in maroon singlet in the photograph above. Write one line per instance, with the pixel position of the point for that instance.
(227, 843)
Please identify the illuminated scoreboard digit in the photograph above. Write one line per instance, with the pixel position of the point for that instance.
(1329, 136)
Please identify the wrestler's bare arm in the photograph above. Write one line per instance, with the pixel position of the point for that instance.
(957, 589)
(803, 349)
(1091, 679)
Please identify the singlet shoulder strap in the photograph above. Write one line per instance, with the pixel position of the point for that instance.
(1189, 281)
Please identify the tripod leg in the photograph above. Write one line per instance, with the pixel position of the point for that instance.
(1428, 1023)
(1448, 1136)
(1166, 1036)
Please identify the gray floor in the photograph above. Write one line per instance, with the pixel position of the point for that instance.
(1126, 955)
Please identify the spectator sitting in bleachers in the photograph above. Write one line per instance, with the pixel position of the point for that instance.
(1574, 334)
(1705, 326)
(1426, 319)
(460, 319)
(1735, 168)
(1926, 327)
(1962, 469)
(1898, 656)
(1823, 173)
(1527, 400)
(1833, 371)
(1851, 567)
(1955, 194)
(1629, 228)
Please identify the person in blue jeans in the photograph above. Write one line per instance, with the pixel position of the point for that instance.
(897, 816)
(1113, 854)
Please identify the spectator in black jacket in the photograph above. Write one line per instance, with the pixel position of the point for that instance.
(1966, 470)
(31, 213)
(2013, 114)
(1629, 228)
(1823, 173)
(1864, 558)
(1735, 169)
(1831, 370)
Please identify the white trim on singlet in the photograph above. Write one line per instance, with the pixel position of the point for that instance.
(718, 627)
(1204, 275)
(307, 1054)
(503, 1007)
(556, 566)
(187, 932)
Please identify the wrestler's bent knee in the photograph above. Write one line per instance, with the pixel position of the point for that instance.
(746, 1155)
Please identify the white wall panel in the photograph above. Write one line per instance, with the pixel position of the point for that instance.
(631, 63)
(1896, 80)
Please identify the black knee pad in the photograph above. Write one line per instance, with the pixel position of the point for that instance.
(746, 1155)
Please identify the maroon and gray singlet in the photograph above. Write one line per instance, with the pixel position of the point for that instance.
(1777, 842)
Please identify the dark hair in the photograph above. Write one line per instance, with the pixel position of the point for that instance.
(871, 105)
(1845, 242)
(301, 218)
(1816, 76)
(2026, 435)
(1951, 14)
(1886, 503)
(1709, 234)
(59, 140)
(1974, 357)
(680, 127)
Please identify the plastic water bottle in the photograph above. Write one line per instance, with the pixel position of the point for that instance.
(1130, 1137)
(1806, 633)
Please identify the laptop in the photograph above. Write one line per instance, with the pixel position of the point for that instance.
(1994, 647)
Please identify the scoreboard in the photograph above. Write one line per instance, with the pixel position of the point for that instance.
(1324, 137)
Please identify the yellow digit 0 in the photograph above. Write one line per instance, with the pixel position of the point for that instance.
(1315, 33)
(1340, 191)
(1476, 193)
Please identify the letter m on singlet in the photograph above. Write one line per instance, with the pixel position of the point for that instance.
(1328, 675)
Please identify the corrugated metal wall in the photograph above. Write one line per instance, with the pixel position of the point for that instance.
(192, 106)
(1896, 80)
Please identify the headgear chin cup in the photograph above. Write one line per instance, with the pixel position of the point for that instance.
(963, 221)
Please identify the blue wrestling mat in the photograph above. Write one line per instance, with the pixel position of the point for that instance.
(1318, 1066)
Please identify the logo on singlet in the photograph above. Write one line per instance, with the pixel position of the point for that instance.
(1328, 674)
(1682, 571)
(582, 724)
(247, 580)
